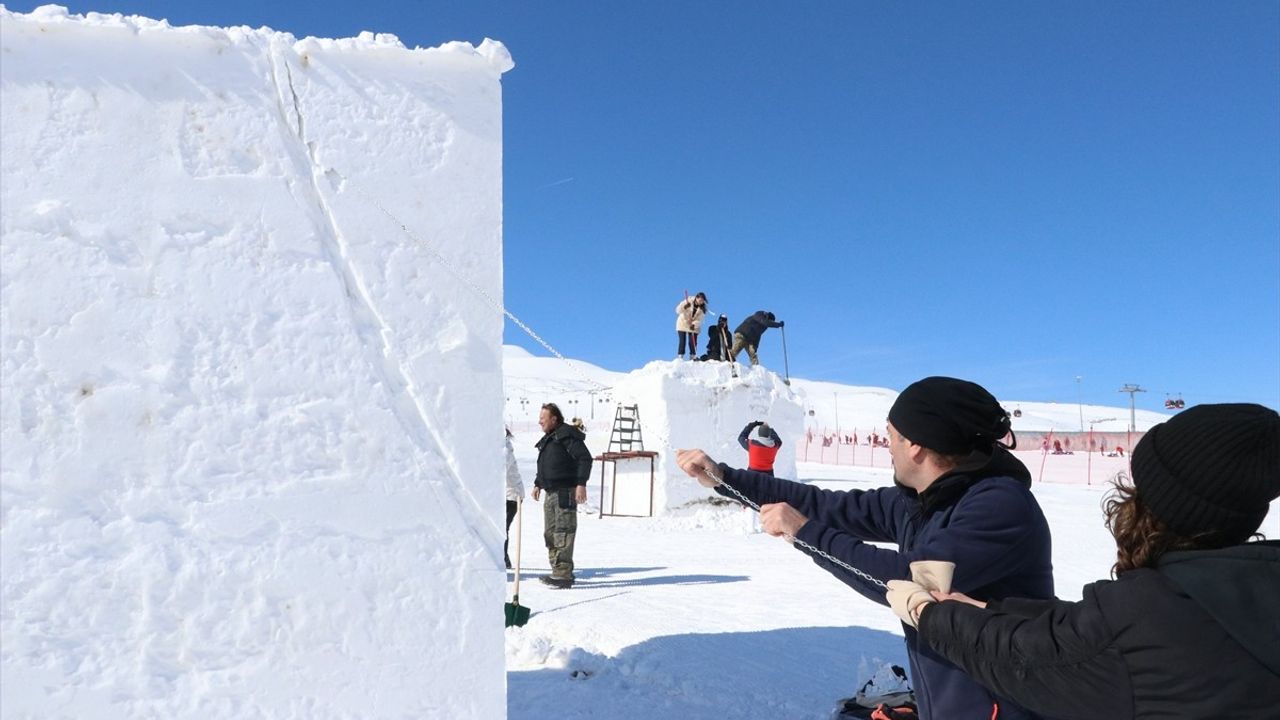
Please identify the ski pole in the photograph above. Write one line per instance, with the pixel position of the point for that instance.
(786, 366)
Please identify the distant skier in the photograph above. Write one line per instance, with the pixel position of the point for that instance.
(761, 448)
(718, 343)
(689, 315)
(747, 335)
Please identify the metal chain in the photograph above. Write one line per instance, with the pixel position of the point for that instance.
(793, 538)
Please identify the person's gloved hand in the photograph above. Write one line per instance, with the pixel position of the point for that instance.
(907, 598)
(782, 323)
(933, 574)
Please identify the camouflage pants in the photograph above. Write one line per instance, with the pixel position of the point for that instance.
(560, 518)
(740, 342)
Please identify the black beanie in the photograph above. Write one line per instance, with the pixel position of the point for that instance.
(950, 416)
(1211, 469)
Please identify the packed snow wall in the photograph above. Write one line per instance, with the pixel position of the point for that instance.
(702, 405)
(252, 428)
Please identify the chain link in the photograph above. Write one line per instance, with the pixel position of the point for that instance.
(792, 538)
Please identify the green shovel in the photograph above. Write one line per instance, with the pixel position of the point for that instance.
(517, 614)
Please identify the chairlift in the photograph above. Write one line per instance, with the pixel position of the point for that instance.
(1171, 403)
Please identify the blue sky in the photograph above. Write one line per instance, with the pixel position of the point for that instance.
(1015, 193)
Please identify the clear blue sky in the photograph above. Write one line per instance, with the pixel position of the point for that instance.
(1015, 193)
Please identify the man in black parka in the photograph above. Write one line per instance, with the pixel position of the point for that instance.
(564, 467)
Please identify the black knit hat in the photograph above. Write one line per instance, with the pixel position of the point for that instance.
(951, 416)
(1211, 469)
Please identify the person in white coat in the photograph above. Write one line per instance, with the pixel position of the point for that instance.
(515, 491)
(689, 315)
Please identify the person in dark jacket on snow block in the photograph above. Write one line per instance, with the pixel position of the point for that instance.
(718, 343)
(1190, 627)
(747, 335)
(761, 448)
(959, 496)
(564, 467)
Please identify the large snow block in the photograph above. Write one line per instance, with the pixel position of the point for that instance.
(687, 405)
(251, 434)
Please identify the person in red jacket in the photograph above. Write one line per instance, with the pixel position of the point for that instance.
(761, 448)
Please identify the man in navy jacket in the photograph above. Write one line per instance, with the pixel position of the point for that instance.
(959, 496)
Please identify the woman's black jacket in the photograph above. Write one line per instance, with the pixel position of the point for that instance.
(1196, 637)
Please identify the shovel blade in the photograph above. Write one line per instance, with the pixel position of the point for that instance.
(517, 614)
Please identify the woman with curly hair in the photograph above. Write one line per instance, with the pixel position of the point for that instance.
(1189, 627)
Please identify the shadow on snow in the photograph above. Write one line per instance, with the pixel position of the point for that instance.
(600, 578)
(784, 673)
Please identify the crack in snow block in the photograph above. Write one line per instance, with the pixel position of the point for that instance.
(252, 430)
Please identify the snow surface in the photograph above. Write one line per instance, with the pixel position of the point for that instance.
(248, 422)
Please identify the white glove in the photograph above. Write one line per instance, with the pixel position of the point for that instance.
(906, 598)
(933, 574)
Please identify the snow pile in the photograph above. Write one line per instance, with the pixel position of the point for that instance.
(251, 438)
(702, 405)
